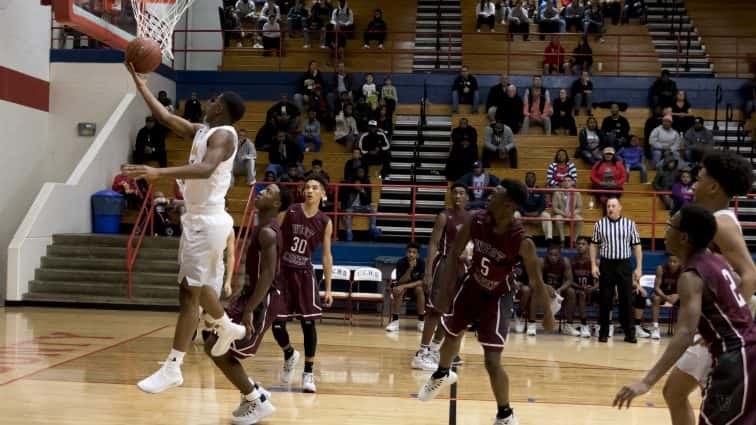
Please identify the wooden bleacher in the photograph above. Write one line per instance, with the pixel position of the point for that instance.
(486, 53)
(401, 28)
(714, 19)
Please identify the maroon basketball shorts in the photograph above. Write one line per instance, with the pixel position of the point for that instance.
(473, 303)
(730, 395)
(247, 346)
(299, 296)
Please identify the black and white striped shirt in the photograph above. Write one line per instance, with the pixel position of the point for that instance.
(615, 238)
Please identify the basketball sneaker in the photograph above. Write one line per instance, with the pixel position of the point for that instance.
(430, 389)
(393, 326)
(308, 383)
(519, 325)
(435, 355)
(570, 330)
(611, 331)
(252, 411)
(228, 332)
(531, 329)
(420, 326)
(423, 360)
(260, 388)
(288, 367)
(585, 331)
(655, 334)
(168, 376)
(509, 420)
(640, 332)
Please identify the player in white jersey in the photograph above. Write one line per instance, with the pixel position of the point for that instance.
(205, 224)
(723, 175)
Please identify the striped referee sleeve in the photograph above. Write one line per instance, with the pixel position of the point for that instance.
(635, 236)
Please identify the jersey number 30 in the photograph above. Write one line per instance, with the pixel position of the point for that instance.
(734, 288)
(299, 246)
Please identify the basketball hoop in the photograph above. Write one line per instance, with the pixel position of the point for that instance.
(156, 19)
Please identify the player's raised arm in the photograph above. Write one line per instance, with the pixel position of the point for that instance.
(220, 147)
(690, 287)
(438, 230)
(327, 263)
(460, 242)
(178, 125)
(531, 263)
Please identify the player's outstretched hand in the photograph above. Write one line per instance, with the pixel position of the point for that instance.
(628, 393)
(137, 77)
(328, 301)
(141, 172)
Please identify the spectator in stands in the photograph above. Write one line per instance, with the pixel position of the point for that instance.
(343, 85)
(346, 127)
(271, 37)
(266, 135)
(309, 82)
(569, 205)
(410, 271)
(562, 118)
(320, 15)
(166, 101)
(316, 170)
(465, 90)
(663, 92)
(285, 151)
(390, 96)
(485, 11)
(230, 25)
(682, 115)
(370, 90)
(150, 144)
(665, 178)
(682, 191)
(550, 21)
(573, 15)
(271, 9)
(535, 206)
(592, 142)
(376, 149)
(635, 9)
(352, 164)
(310, 132)
(270, 177)
(749, 95)
(582, 92)
(519, 20)
(284, 113)
(582, 58)
(503, 10)
(608, 174)
(479, 184)
(246, 12)
(633, 158)
(496, 97)
(665, 290)
(362, 113)
(499, 144)
(376, 30)
(560, 168)
(616, 128)
(612, 9)
(298, 20)
(664, 138)
(651, 123)
(193, 109)
(244, 162)
(553, 58)
(385, 122)
(358, 199)
(128, 187)
(537, 107)
(340, 28)
(462, 156)
(593, 22)
(510, 112)
(697, 137)
(464, 129)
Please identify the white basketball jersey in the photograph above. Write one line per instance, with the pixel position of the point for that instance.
(729, 213)
(210, 192)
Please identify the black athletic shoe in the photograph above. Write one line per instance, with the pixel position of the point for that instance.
(603, 339)
(631, 339)
(458, 361)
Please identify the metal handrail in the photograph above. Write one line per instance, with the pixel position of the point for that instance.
(138, 232)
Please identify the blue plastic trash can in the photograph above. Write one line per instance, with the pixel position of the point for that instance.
(106, 211)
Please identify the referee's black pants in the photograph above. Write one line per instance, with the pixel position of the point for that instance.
(617, 273)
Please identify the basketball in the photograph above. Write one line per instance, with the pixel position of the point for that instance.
(144, 54)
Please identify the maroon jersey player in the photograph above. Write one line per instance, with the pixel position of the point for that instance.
(448, 223)
(304, 228)
(712, 304)
(487, 289)
(665, 290)
(557, 275)
(250, 307)
(585, 285)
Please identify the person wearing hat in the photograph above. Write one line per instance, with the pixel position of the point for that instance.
(697, 137)
(479, 186)
(375, 148)
(608, 174)
(664, 138)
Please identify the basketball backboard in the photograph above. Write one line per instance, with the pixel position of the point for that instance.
(109, 21)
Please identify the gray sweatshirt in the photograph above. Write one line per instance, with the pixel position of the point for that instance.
(494, 142)
(664, 139)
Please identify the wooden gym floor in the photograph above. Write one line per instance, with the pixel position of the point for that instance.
(66, 366)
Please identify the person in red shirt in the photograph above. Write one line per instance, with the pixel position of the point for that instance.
(609, 174)
(553, 58)
(128, 187)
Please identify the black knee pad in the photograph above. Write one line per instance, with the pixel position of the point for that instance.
(310, 337)
(639, 301)
(280, 333)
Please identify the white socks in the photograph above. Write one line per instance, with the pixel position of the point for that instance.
(176, 356)
(435, 346)
(656, 324)
(254, 395)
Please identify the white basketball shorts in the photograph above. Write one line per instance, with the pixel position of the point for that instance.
(203, 240)
(696, 362)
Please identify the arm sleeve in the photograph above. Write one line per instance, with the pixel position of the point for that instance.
(487, 139)
(572, 171)
(635, 237)
(550, 174)
(596, 238)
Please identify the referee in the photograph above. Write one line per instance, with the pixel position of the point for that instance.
(615, 239)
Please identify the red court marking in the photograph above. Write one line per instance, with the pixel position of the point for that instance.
(84, 355)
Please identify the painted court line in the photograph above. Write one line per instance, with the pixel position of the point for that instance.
(99, 350)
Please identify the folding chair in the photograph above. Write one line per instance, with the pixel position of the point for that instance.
(366, 288)
(340, 287)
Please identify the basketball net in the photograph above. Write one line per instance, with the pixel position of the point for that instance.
(156, 19)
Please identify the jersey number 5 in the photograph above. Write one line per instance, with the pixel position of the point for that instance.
(484, 266)
(299, 246)
(734, 288)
